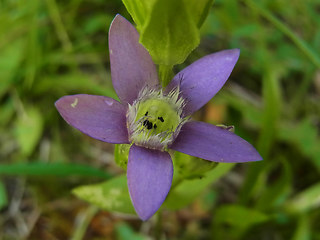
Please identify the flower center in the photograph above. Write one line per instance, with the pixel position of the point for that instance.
(154, 120)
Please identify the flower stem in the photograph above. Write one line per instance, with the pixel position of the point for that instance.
(165, 74)
(83, 222)
(287, 31)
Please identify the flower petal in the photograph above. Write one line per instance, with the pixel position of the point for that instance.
(131, 64)
(149, 174)
(213, 143)
(99, 117)
(201, 80)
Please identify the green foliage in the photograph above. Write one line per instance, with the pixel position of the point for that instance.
(237, 217)
(28, 130)
(11, 57)
(53, 48)
(67, 82)
(302, 231)
(189, 167)
(169, 29)
(112, 195)
(140, 10)
(198, 10)
(184, 193)
(51, 169)
(3, 196)
(275, 193)
(303, 136)
(124, 232)
(305, 201)
(170, 33)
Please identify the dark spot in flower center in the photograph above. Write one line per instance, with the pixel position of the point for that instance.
(147, 124)
(161, 119)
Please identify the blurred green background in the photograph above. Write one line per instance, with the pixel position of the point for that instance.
(53, 48)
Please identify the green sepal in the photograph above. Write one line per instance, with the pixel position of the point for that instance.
(190, 167)
(121, 154)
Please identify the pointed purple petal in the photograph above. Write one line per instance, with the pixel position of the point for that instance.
(149, 174)
(100, 117)
(212, 143)
(131, 64)
(200, 81)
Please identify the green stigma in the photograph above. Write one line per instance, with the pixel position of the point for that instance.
(155, 119)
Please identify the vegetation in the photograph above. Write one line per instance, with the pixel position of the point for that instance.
(53, 48)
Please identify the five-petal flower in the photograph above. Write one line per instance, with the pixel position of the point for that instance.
(136, 118)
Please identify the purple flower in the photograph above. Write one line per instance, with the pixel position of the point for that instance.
(155, 120)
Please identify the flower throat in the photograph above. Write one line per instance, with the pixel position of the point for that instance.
(154, 119)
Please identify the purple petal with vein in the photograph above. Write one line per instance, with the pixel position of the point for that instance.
(100, 117)
(212, 143)
(131, 64)
(200, 81)
(149, 174)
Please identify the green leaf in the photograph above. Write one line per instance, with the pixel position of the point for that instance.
(270, 116)
(75, 81)
(28, 130)
(112, 195)
(169, 29)
(169, 32)
(184, 193)
(305, 201)
(276, 193)
(124, 232)
(6, 111)
(251, 112)
(11, 57)
(272, 108)
(198, 10)
(3, 196)
(96, 23)
(51, 169)
(139, 10)
(246, 30)
(34, 47)
(304, 136)
(303, 230)
(236, 217)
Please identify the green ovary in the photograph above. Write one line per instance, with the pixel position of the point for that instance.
(157, 116)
